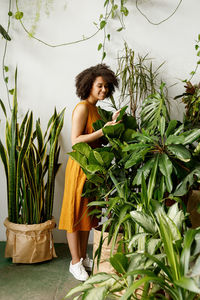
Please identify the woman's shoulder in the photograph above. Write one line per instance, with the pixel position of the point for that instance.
(82, 106)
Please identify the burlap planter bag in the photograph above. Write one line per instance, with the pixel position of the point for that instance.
(30, 243)
(104, 265)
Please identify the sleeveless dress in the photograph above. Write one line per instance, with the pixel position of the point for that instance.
(74, 212)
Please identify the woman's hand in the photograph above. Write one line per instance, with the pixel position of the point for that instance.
(111, 123)
(115, 115)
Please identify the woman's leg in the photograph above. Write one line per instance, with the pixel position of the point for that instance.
(83, 239)
(74, 246)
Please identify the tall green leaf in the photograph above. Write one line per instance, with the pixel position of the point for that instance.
(152, 179)
(166, 167)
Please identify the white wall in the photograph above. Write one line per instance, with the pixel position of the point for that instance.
(46, 75)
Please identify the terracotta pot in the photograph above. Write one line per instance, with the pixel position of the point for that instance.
(29, 243)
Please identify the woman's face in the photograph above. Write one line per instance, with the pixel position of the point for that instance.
(99, 89)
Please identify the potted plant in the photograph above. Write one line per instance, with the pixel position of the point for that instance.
(191, 99)
(161, 151)
(30, 161)
(167, 268)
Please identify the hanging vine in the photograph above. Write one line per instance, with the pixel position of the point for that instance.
(113, 9)
(158, 23)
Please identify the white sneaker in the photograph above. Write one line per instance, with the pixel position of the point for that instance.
(78, 271)
(88, 263)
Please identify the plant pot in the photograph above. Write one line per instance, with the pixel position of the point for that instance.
(104, 265)
(192, 206)
(29, 243)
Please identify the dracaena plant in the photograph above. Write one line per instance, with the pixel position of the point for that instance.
(30, 160)
(167, 267)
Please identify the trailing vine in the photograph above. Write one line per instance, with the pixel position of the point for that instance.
(197, 48)
(113, 9)
(5, 68)
(158, 23)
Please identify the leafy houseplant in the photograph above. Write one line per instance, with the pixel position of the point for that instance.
(168, 266)
(31, 162)
(161, 155)
(138, 78)
(191, 99)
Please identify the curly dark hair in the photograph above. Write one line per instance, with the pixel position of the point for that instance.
(85, 79)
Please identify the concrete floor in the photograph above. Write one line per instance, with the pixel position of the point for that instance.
(42, 281)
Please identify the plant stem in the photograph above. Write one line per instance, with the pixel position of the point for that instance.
(4, 56)
(56, 45)
(152, 23)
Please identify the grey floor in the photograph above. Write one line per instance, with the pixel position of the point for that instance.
(42, 281)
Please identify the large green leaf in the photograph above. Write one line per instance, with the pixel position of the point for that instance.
(82, 160)
(153, 108)
(135, 238)
(13, 202)
(127, 135)
(105, 115)
(98, 157)
(121, 114)
(191, 136)
(4, 158)
(180, 152)
(176, 215)
(162, 126)
(171, 127)
(144, 170)
(186, 183)
(186, 252)
(152, 179)
(166, 167)
(82, 148)
(114, 131)
(98, 125)
(144, 220)
(136, 157)
(174, 139)
(49, 196)
(97, 293)
(22, 128)
(188, 284)
(80, 288)
(92, 169)
(39, 136)
(22, 153)
(167, 238)
(129, 122)
(107, 158)
(99, 277)
(119, 262)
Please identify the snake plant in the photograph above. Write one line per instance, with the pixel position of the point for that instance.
(30, 160)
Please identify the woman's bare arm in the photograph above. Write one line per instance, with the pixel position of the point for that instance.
(79, 120)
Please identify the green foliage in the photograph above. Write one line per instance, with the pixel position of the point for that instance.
(138, 80)
(140, 167)
(169, 261)
(30, 162)
(191, 99)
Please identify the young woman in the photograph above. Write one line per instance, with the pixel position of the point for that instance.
(92, 85)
